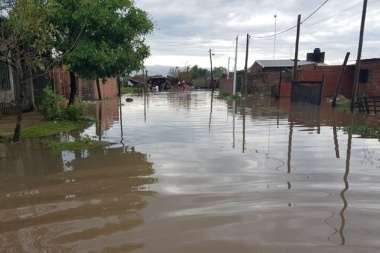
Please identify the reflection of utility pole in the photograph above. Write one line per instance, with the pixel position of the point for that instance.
(209, 122)
(233, 124)
(145, 104)
(99, 130)
(243, 106)
(290, 141)
(121, 125)
(346, 186)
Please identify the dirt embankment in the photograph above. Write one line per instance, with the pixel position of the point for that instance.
(29, 119)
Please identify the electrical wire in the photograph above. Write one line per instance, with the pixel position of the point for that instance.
(314, 12)
(291, 28)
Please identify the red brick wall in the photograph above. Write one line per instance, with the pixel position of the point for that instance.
(61, 79)
(260, 82)
(331, 76)
(108, 88)
(257, 82)
(256, 68)
(87, 89)
(226, 85)
(372, 88)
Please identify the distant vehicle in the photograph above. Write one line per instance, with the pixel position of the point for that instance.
(160, 81)
(132, 83)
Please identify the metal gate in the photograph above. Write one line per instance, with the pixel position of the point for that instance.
(309, 92)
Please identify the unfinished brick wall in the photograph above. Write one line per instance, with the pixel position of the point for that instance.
(61, 80)
(108, 88)
(87, 89)
(331, 76)
(257, 82)
(372, 87)
(262, 82)
(226, 85)
(256, 68)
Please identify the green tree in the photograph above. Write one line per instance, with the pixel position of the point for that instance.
(199, 75)
(173, 74)
(218, 71)
(102, 38)
(25, 44)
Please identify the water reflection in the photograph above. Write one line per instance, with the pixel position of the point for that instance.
(253, 175)
(345, 189)
(212, 100)
(84, 208)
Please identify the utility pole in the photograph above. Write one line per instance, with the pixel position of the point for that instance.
(297, 44)
(212, 76)
(228, 67)
(340, 79)
(357, 68)
(234, 83)
(246, 63)
(187, 73)
(275, 31)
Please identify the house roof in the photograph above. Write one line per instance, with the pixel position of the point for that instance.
(371, 59)
(281, 63)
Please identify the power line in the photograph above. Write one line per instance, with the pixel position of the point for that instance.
(291, 28)
(323, 20)
(190, 44)
(226, 51)
(314, 11)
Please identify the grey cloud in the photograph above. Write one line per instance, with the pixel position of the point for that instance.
(190, 28)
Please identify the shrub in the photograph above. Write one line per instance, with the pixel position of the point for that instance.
(54, 107)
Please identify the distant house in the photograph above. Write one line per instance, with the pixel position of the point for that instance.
(262, 66)
(159, 81)
(7, 88)
(86, 89)
(316, 56)
(369, 79)
(264, 74)
(9, 91)
(184, 76)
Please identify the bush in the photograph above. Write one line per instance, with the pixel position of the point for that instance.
(54, 107)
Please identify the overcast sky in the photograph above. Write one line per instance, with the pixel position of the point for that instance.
(186, 30)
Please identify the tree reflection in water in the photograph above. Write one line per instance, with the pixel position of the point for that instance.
(89, 208)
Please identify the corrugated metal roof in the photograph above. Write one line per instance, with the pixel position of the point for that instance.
(281, 63)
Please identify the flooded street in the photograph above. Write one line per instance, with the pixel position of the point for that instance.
(186, 172)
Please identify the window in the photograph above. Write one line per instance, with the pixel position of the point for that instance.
(365, 76)
(5, 83)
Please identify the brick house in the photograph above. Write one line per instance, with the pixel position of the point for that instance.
(267, 73)
(87, 89)
(263, 74)
(9, 91)
(369, 79)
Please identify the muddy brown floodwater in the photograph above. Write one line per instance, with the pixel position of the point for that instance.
(188, 173)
